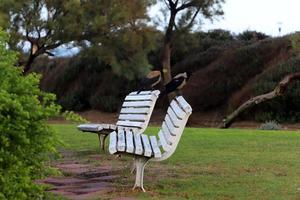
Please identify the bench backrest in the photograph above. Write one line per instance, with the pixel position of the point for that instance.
(136, 110)
(173, 126)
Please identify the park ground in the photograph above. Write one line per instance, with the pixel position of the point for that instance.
(208, 164)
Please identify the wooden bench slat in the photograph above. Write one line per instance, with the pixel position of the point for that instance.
(147, 146)
(137, 104)
(126, 128)
(170, 125)
(153, 92)
(138, 144)
(121, 141)
(134, 111)
(163, 141)
(113, 142)
(129, 142)
(168, 135)
(140, 97)
(112, 127)
(130, 124)
(184, 105)
(141, 93)
(155, 148)
(173, 117)
(133, 117)
(177, 110)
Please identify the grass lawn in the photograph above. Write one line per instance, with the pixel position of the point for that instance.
(212, 164)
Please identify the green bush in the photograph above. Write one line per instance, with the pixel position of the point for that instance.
(251, 35)
(231, 71)
(25, 138)
(270, 125)
(295, 42)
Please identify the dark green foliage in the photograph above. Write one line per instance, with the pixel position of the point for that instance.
(85, 82)
(251, 35)
(198, 49)
(287, 107)
(230, 72)
(116, 28)
(25, 137)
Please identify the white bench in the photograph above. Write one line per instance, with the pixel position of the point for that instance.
(134, 116)
(144, 148)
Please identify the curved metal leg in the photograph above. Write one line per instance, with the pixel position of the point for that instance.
(102, 138)
(140, 163)
(133, 167)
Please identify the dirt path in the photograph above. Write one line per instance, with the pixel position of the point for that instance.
(83, 178)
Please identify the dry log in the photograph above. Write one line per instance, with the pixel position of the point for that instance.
(279, 90)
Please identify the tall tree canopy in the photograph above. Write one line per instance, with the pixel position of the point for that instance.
(125, 38)
(43, 25)
(183, 15)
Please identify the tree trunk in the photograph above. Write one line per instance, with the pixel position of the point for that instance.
(279, 90)
(166, 62)
(167, 48)
(29, 63)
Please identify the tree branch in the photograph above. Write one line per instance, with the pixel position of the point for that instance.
(189, 25)
(279, 90)
(172, 4)
(186, 5)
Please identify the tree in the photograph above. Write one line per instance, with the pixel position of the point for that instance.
(125, 39)
(183, 15)
(44, 25)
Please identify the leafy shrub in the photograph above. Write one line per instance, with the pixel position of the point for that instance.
(75, 99)
(295, 42)
(84, 82)
(25, 137)
(73, 117)
(251, 35)
(230, 72)
(270, 125)
(109, 103)
(191, 45)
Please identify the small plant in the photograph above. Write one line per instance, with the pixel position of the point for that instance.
(73, 117)
(295, 39)
(270, 125)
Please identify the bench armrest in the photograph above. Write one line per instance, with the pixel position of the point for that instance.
(96, 128)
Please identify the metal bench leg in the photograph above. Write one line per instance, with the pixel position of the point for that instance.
(140, 163)
(133, 167)
(102, 138)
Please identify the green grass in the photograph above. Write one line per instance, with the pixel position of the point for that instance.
(214, 164)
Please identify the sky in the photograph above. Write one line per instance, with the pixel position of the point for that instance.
(260, 15)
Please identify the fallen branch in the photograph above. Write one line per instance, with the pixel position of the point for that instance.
(279, 90)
